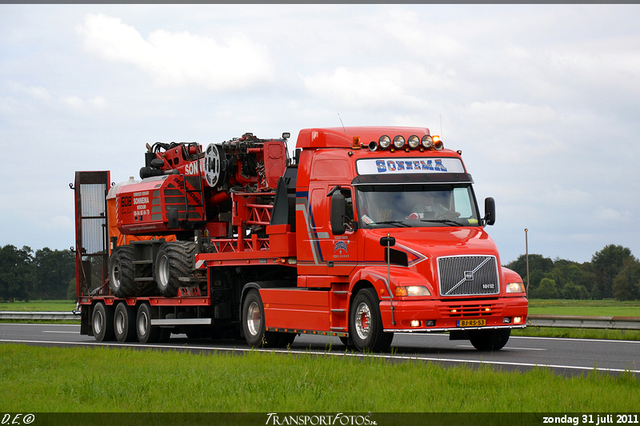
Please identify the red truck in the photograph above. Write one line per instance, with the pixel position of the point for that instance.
(365, 232)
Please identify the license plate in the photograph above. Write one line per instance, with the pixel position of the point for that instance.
(472, 323)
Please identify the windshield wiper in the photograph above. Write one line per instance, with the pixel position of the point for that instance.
(393, 222)
(447, 221)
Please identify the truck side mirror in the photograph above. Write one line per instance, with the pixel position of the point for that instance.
(338, 211)
(489, 211)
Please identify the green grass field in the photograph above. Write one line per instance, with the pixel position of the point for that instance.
(48, 379)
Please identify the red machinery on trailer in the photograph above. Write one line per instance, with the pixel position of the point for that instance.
(368, 231)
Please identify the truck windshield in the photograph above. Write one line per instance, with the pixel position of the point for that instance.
(415, 205)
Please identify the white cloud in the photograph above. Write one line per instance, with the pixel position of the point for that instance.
(180, 59)
(80, 105)
(374, 87)
(370, 88)
(503, 114)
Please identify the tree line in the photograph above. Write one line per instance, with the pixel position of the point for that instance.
(613, 272)
(46, 274)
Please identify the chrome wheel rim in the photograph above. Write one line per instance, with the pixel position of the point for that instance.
(363, 320)
(163, 271)
(98, 320)
(115, 273)
(143, 323)
(120, 323)
(254, 319)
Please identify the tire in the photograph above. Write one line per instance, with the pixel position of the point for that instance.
(489, 340)
(122, 272)
(365, 323)
(146, 332)
(175, 260)
(254, 328)
(253, 319)
(102, 322)
(124, 323)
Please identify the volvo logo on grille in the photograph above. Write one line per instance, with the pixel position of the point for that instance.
(468, 275)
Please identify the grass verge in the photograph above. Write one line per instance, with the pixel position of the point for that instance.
(585, 307)
(39, 306)
(48, 379)
(577, 333)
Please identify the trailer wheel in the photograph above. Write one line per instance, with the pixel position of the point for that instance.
(124, 324)
(175, 261)
(102, 322)
(121, 272)
(146, 332)
(489, 340)
(365, 323)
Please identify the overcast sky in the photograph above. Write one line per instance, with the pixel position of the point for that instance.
(543, 100)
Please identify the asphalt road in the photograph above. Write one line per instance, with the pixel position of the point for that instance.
(565, 356)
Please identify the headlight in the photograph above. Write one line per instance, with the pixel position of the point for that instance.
(515, 288)
(398, 141)
(413, 141)
(427, 142)
(384, 141)
(412, 290)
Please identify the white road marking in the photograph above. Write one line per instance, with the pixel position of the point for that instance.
(506, 347)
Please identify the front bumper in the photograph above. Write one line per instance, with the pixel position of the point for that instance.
(424, 316)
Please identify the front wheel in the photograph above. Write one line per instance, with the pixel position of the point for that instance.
(489, 340)
(365, 323)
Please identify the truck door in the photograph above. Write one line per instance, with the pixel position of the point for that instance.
(320, 252)
(341, 249)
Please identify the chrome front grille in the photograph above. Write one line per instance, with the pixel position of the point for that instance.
(468, 275)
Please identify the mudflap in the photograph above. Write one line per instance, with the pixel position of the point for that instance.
(458, 335)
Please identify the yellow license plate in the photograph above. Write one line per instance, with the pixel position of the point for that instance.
(472, 323)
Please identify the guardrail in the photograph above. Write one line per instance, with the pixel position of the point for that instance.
(49, 316)
(567, 321)
(560, 321)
